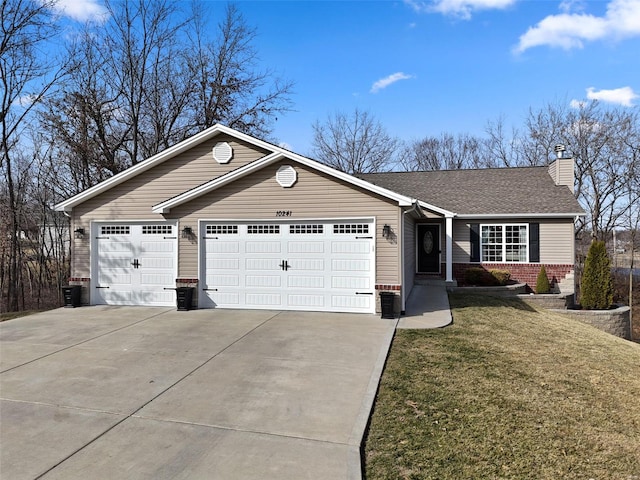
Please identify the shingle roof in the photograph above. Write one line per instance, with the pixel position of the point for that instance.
(500, 191)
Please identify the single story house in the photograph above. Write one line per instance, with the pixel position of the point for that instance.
(253, 225)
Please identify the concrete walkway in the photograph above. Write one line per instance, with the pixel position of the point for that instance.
(151, 393)
(427, 306)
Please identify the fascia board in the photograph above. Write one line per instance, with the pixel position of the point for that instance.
(439, 210)
(518, 215)
(151, 162)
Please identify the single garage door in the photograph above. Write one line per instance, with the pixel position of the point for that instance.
(135, 264)
(311, 265)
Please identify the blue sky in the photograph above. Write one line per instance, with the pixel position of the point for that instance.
(427, 67)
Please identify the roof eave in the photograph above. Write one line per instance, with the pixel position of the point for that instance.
(470, 216)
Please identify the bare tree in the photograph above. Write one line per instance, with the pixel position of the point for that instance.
(229, 86)
(355, 143)
(26, 76)
(603, 142)
(446, 152)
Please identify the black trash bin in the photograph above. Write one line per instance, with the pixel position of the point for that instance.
(71, 294)
(387, 302)
(184, 297)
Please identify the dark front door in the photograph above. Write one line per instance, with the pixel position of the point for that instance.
(428, 248)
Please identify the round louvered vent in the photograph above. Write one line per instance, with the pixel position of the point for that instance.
(286, 176)
(222, 152)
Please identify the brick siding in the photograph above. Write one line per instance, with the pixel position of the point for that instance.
(520, 272)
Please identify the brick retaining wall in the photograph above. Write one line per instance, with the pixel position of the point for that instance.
(520, 272)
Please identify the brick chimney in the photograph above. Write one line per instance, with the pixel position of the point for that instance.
(562, 169)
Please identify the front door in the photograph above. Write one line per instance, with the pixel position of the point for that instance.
(428, 248)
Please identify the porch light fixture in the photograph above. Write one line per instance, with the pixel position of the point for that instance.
(79, 233)
(187, 232)
(386, 231)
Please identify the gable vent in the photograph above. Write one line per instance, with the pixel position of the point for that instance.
(222, 152)
(286, 176)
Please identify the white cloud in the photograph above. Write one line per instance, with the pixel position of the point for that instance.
(25, 100)
(82, 10)
(577, 103)
(386, 81)
(571, 30)
(622, 96)
(458, 8)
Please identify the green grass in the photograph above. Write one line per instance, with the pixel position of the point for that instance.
(507, 392)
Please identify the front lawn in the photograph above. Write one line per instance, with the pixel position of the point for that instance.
(508, 391)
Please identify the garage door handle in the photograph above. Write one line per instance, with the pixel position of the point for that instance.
(210, 289)
(101, 287)
(359, 238)
(364, 293)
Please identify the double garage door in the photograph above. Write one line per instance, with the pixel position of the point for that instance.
(312, 265)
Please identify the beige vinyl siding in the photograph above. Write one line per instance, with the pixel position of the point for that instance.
(562, 172)
(133, 199)
(461, 242)
(556, 239)
(314, 196)
(409, 243)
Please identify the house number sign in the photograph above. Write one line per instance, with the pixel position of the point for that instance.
(284, 213)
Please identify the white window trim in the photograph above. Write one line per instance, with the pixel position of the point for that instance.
(504, 243)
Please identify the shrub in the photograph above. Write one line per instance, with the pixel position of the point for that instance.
(475, 276)
(501, 277)
(596, 287)
(542, 282)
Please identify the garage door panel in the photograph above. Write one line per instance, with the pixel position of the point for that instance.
(224, 299)
(306, 301)
(156, 279)
(305, 281)
(350, 282)
(116, 246)
(215, 246)
(356, 246)
(305, 247)
(349, 265)
(264, 299)
(117, 297)
(157, 246)
(114, 263)
(222, 263)
(155, 297)
(355, 302)
(263, 281)
(262, 264)
(223, 280)
(262, 247)
(307, 264)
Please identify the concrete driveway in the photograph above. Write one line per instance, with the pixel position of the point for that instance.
(137, 392)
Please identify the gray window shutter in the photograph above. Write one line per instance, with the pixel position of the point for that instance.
(534, 242)
(474, 232)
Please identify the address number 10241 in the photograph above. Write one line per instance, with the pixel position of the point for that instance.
(284, 213)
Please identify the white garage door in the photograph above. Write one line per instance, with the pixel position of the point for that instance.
(135, 264)
(312, 265)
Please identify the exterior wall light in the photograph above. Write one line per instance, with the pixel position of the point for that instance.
(386, 231)
(79, 233)
(187, 232)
